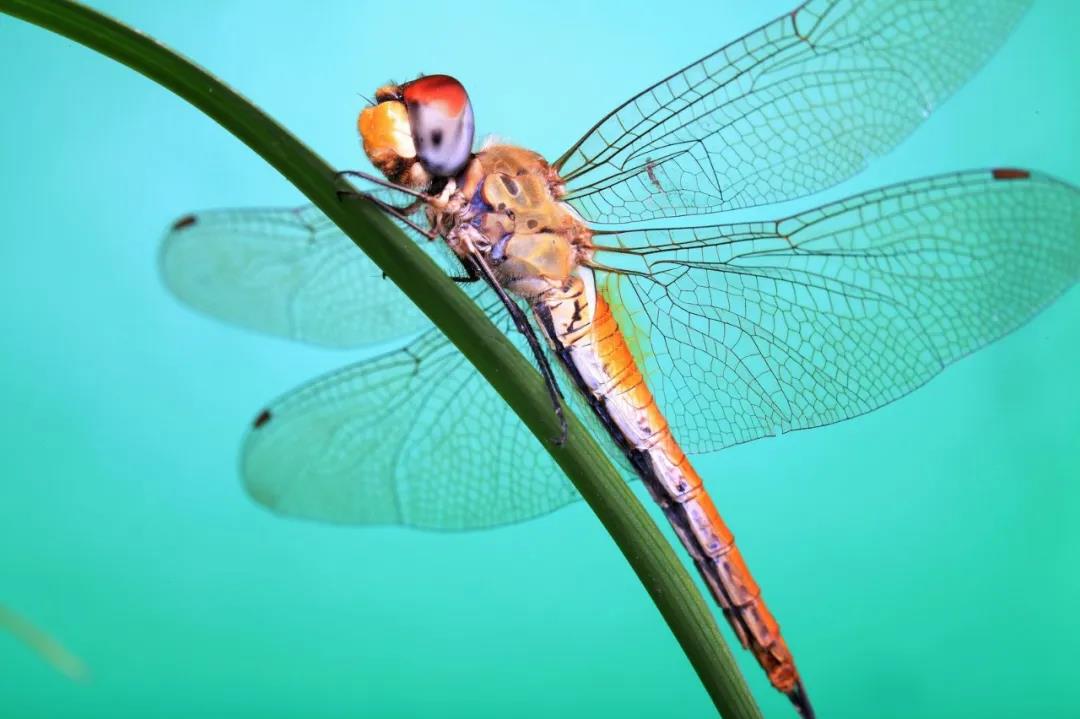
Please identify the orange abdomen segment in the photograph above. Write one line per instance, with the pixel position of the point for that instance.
(677, 488)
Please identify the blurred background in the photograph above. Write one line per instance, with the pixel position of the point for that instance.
(921, 559)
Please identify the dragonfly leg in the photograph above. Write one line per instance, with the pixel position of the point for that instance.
(471, 275)
(384, 183)
(398, 213)
(521, 322)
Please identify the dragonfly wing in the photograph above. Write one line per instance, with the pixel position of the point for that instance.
(414, 437)
(789, 109)
(291, 273)
(748, 330)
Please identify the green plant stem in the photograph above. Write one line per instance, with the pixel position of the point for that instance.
(452, 311)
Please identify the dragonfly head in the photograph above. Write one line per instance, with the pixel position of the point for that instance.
(419, 131)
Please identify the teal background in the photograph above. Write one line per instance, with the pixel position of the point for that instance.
(921, 559)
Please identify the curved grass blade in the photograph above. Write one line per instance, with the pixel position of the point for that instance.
(584, 462)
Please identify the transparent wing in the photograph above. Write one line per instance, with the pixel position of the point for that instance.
(414, 437)
(748, 330)
(791, 108)
(291, 273)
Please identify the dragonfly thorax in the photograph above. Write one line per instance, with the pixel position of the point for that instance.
(511, 214)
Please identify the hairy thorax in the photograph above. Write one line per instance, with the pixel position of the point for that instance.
(508, 209)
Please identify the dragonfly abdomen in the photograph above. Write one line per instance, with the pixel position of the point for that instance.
(588, 342)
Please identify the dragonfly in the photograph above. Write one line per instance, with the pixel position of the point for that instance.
(668, 335)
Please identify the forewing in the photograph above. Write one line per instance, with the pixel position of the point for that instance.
(791, 108)
(291, 273)
(414, 437)
(753, 329)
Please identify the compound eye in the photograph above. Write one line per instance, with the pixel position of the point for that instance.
(441, 118)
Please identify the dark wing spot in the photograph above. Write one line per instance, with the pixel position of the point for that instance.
(1009, 173)
(436, 137)
(262, 419)
(532, 224)
(185, 221)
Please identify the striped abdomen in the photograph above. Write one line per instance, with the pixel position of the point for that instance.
(591, 347)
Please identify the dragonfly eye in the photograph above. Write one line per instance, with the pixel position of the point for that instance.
(442, 123)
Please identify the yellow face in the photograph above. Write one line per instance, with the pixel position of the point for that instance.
(387, 136)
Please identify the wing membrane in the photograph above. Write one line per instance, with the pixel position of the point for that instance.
(789, 109)
(414, 437)
(748, 330)
(288, 272)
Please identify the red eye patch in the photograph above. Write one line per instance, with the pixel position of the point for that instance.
(434, 89)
